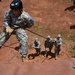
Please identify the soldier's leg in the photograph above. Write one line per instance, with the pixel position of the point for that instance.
(3, 38)
(56, 51)
(46, 52)
(50, 47)
(23, 40)
(39, 51)
(59, 49)
(36, 51)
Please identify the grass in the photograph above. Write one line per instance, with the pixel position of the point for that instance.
(69, 0)
(71, 37)
(38, 27)
(73, 51)
(70, 43)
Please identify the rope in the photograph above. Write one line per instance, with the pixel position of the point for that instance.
(36, 33)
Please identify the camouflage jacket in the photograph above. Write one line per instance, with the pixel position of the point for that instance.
(36, 44)
(58, 42)
(22, 21)
(48, 43)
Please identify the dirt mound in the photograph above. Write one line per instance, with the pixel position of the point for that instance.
(61, 67)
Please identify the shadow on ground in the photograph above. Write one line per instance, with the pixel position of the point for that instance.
(32, 56)
(71, 8)
(72, 27)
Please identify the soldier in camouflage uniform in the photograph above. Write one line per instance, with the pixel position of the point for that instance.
(57, 43)
(16, 20)
(37, 46)
(48, 45)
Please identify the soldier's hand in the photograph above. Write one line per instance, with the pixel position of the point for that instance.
(9, 30)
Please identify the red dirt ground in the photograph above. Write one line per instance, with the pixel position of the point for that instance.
(61, 67)
(51, 19)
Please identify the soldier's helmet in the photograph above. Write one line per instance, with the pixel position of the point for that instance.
(49, 36)
(16, 4)
(58, 35)
(36, 39)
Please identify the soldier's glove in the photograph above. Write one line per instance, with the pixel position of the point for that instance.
(9, 30)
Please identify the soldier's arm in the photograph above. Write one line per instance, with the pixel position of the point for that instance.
(60, 43)
(7, 19)
(29, 20)
(33, 45)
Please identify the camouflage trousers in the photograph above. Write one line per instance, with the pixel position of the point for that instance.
(57, 50)
(22, 38)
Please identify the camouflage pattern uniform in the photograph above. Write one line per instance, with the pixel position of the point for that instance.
(48, 45)
(58, 43)
(37, 46)
(20, 23)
